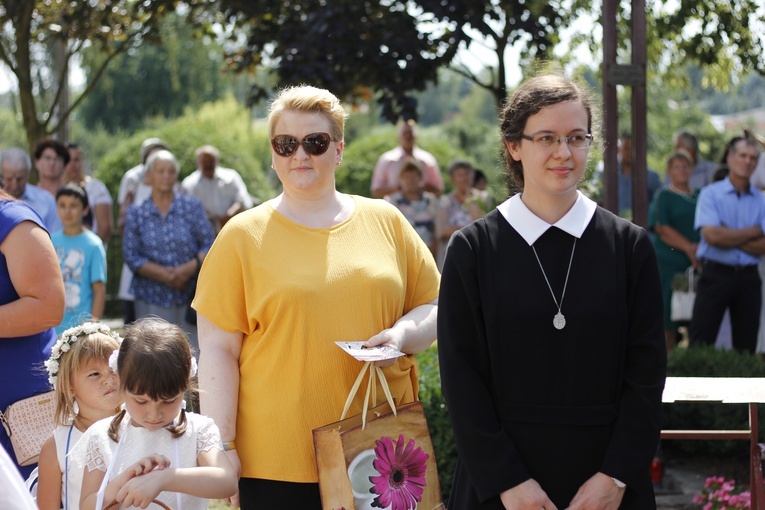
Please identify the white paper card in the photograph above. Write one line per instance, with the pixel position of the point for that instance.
(379, 353)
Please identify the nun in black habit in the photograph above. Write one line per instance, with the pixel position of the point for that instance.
(550, 329)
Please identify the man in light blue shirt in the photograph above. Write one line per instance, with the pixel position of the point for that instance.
(731, 217)
(15, 166)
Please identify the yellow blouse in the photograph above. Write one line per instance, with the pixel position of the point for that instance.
(293, 291)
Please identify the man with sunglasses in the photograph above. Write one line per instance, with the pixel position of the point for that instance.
(385, 179)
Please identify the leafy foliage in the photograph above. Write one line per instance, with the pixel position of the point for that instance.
(717, 35)
(11, 132)
(346, 47)
(535, 26)
(723, 38)
(153, 80)
(31, 28)
(438, 418)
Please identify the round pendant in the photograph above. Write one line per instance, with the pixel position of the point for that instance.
(559, 321)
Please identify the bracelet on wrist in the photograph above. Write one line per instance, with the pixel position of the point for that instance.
(229, 445)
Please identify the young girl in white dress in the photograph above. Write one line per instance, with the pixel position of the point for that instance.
(154, 449)
(87, 390)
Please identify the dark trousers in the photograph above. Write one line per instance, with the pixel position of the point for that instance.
(129, 312)
(719, 287)
(257, 494)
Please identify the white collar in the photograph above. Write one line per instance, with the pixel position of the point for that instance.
(531, 227)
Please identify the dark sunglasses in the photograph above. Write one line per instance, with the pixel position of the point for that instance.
(314, 144)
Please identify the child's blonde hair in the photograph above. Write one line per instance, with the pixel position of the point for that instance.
(74, 348)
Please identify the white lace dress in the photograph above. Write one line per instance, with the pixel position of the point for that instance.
(95, 451)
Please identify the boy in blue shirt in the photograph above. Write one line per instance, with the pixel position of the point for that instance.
(82, 258)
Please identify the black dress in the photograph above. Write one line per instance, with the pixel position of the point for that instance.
(529, 401)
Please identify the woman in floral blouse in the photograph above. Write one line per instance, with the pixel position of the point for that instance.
(166, 238)
(418, 206)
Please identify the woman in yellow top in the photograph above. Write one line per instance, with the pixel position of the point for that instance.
(282, 283)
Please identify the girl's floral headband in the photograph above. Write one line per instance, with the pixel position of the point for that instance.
(67, 338)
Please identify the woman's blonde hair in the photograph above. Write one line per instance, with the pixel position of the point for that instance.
(98, 346)
(679, 154)
(304, 98)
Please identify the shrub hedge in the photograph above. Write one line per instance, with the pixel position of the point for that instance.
(438, 418)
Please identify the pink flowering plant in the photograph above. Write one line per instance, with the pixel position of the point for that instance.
(721, 494)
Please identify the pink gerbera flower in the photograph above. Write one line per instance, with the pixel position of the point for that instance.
(402, 474)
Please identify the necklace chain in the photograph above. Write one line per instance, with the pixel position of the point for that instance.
(565, 283)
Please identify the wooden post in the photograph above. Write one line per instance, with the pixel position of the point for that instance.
(633, 76)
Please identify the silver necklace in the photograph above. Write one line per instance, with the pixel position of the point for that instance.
(559, 321)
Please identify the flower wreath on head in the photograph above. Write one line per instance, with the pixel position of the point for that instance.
(67, 338)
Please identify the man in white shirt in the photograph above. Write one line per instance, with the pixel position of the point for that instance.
(15, 166)
(385, 179)
(221, 190)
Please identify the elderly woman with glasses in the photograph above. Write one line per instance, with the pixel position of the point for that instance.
(166, 239)
(286, 280)
(550, 331)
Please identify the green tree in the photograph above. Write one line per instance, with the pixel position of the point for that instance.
(499, 25)
(724, 38)
(395, 47)
(30, 29)
(155, 80)
(355, 49)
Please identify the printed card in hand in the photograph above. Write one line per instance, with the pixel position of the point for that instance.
(361, 353)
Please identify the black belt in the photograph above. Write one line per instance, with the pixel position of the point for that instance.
(711, 264)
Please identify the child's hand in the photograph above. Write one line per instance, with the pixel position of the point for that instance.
(141, 468)
(142, 490)
(148, 464)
